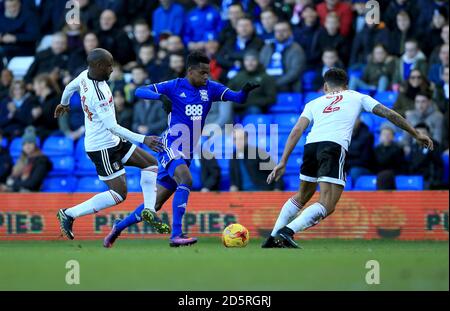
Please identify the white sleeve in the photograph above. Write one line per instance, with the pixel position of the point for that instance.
(307, 113)
(368, 103)
(70, 88)
(108, 117)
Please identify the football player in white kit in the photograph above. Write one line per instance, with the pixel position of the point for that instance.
(334, 115)
(108, 145)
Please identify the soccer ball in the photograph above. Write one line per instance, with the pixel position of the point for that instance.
(235, 235)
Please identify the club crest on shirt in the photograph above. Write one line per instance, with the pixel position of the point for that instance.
(204, 95)
(116, 166)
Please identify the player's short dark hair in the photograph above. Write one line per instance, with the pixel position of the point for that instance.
(196, 58)
(336, 77)
(97, 56)
(422, 125)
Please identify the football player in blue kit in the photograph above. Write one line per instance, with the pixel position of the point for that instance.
(187, 102)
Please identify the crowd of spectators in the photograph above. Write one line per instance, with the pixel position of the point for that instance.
(272, 42)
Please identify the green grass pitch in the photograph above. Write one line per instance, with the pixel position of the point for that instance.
(152, 265)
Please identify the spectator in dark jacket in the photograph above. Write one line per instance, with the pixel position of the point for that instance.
(43, 112)
(117, 6)
(89, 13)
(360, 155)
(246, 173)
(177, 68)
(234, 12)
(75, 33)
(329, 37)
(364, 42)
(30, 170)
(261, 98)
(268, 21)
(441, 93)
(6, 79)
(112, 38)
(284, 59)
(168, 17)
(142, 35)
(396, 6)
(231, 54)
(416, 83)
(15, 110)
(425, 162)
(389, 159)
(402, 32)
(52, 60)
(77, 60)
(5, 161)
(432, 35)
(305, 32)
(434, 57)
(19, 30)
(124, 113)
(148, 117)
(379, 72)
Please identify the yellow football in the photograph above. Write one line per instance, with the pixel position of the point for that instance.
(235, 235)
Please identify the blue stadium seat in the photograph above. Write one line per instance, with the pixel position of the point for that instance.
(357, 73)
(59, 184)
(298, 149)
(134, 183)
(57, 146)
(15, 149)
(285, 121)
(257, 119)
(310, 96)
(409, 182)
(62, 165)
(291, 182)
(446, 167)
(293, 164)
(308, 80)
(288, 102)
(83, 164)
(4, 143)
(90, 184)
(366, 183)
(387, 98)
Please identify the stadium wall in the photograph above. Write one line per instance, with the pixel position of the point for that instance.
(359, 215)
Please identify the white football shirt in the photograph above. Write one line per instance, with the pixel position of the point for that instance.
(334, 116)
(98, 104)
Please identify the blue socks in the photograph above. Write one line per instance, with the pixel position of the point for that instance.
(131, 219)
(179, 204)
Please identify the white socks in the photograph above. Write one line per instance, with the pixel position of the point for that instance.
(148, 184)
(311, 216)
(289, 210)
(95, 204)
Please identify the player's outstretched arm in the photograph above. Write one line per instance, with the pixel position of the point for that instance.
(241, 96)
(398, 120)
(291, 142)
(146, 92)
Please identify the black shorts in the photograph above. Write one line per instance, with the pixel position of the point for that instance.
(324, 162)
(109, 162)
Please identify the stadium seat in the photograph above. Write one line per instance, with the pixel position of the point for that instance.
(83, 164)
(62, 165)
(134, 183)
(57, 146)
(257, 119)
(288, 102)
(446, 167)
(298, 149)
(15, 149)
(4, 143)
(357, 73)
(409, 182)
(291, 182)
(294, 163)
(90, 184)
(366, 183)
(59, 184)
(19, 65)
(310, 96)
(308, 80)
(285, 121)
(387, 98)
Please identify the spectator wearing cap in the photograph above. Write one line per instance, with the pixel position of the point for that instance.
(168, 17)
(5, 161)
(413, 58)
(19, 30)
(284, 59)
(31, 168)
(50, 61)
(112, 38)
(261, 98)
(425, 112)
(425, 162)
(202, 23)
(15, 110)
(389, 159)
(378, 74)
(342, 9)
(231, 54)
(305, 32)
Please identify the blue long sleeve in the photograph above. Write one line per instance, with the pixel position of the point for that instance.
(146, 93)
(238, 97)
